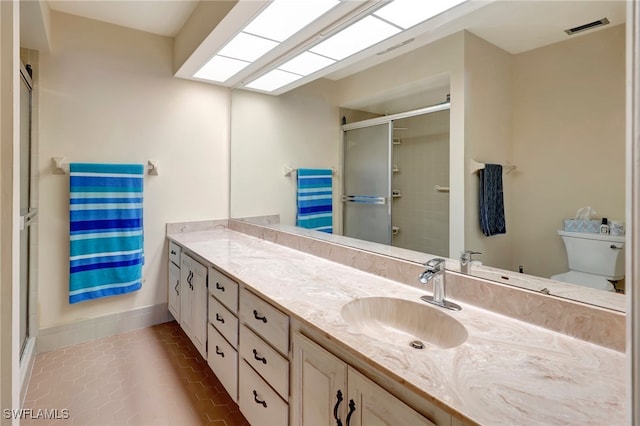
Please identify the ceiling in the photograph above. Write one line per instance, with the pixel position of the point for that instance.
(164, 17)
(514, 25)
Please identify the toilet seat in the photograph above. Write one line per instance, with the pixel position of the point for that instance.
(586, 280)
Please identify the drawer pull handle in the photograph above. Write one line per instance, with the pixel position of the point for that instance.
(219, 287)
(255, 398)
(615, 247)
(352, 408)
(219, 318)
(259, 317)
(176, 287)
(219, 352)
(259, 358)
(173, 252)
(336, 407)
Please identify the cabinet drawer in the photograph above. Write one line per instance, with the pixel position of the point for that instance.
(271, 324)
(174, 253)
(258, 402)
(223, 360)
(224, 289)
(224, 321)
(265, 360)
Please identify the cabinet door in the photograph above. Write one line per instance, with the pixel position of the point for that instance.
(186, 295)
(319, 380)
(174, 291)
(199, 300)
(370, 405)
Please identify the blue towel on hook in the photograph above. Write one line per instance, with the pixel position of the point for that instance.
(492, 219)
(315, 199)
(106, 232)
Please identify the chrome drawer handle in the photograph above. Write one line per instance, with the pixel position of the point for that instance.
(259, 317)
(259, 358)
(255, 398)
(219, 318)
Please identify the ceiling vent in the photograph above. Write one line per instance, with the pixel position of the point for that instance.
(585, 27)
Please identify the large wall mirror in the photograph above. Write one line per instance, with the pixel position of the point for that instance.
(522, 92)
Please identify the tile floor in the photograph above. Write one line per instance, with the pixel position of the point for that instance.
(153, 376)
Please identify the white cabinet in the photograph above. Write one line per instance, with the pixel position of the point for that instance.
(319, 381)
(173, 300)
(223, 330)
(263, 390)
(327, 391)
(174, 291)
(193, 302)
(370, 405)
(223, 361)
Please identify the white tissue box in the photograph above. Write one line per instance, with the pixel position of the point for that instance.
(588, 226)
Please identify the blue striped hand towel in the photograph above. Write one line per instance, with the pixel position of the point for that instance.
(106, 232)
(315, 200)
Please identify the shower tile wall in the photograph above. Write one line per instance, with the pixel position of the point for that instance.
(422, 213)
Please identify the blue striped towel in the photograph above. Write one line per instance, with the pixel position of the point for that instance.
(106, 232)
(314, 200)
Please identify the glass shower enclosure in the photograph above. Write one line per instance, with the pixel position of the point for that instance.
(367, 183)
(396, 180)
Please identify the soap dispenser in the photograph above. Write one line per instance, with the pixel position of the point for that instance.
(604, 228)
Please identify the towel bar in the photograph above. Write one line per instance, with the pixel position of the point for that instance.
(61, 167)
(475, 166)
(288, 170)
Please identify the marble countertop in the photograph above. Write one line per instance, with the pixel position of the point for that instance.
(506, 372)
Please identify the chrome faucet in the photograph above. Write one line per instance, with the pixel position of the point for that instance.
(465, 260)
(435, 271)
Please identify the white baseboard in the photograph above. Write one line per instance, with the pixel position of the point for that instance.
(96, 328)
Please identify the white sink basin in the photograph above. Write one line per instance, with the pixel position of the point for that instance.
(400, 322)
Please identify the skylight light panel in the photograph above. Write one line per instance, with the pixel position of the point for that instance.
(273, 80)
(283, 18)
(220, 68)
(306, 63)
(247, 47)
(364, 33)
(407, 13)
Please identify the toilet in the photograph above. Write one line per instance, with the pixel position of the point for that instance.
(594, 259)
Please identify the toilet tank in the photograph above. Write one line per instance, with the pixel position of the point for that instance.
(599, 254)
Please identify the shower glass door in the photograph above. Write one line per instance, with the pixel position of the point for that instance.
(367, 183)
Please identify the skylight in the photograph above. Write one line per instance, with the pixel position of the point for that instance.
(335, 40)
(364, 33)
(407, 13)
(276, 23)
(273, 80)
(283, 18)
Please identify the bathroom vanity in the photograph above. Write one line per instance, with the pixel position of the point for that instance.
(310, 341)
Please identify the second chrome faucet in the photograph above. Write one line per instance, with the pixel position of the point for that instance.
(435, 272)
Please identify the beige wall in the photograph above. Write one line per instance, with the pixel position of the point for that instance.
(298, 129)
(568, 142)
(107, 95)
(9, 211)
(488, 137)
